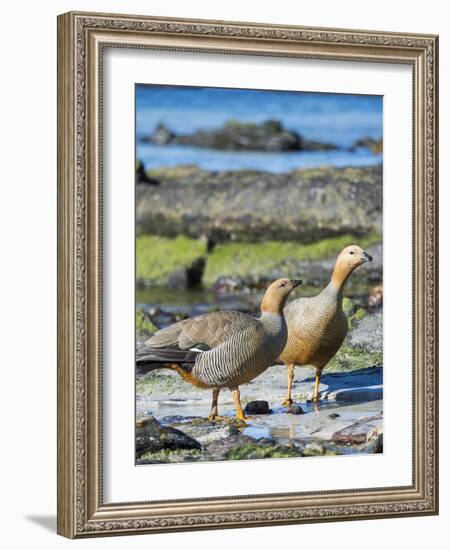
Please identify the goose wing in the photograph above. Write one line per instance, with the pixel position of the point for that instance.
(203, 332)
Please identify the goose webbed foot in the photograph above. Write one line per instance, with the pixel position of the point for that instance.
(240, 415)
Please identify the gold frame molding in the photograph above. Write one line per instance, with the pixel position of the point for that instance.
(81, 39)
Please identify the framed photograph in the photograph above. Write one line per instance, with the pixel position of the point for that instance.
(247, 274)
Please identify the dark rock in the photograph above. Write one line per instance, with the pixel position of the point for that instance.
(184, 278)
(152, 437)
(315, 204)
(235, 136)
(141, 176)
(333, 416)
(295, 409)
(359, 432)
(257, 407)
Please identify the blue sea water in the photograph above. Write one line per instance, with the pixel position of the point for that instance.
(333, 118)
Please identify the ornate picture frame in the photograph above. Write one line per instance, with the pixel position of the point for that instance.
(82, 38)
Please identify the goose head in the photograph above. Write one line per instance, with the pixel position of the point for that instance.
(348, 260)
(277, 293)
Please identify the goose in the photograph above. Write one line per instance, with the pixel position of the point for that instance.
(222, 349)
(317, 326)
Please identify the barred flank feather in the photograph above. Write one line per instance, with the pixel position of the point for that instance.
(225, 348)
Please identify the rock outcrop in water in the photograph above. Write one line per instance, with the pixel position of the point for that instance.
(374, 145)
(304, 205)
(241, 136)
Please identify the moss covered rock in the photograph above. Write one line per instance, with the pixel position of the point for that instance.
(144, 326)
(252, 451)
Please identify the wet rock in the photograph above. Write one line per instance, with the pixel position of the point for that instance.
(257, 407)
(187, 277)
(295, 409)
(358, 432)
(152, 437)
(364, 384)
(374, 443)
(315, 204)
(358, 394)
(220, 448)
(333, 416)
(206, 432)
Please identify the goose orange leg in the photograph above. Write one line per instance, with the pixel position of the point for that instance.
(214, 407)
(288, 401)
(316, 385)
(237, 403)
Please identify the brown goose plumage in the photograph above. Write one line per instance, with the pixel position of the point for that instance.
(222, 349)
(317, 326)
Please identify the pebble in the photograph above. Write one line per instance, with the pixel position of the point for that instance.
(295, 409)
(257, 407)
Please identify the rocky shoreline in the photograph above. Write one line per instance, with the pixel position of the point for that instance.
(213, 441)
(172, 415)
(348, 421)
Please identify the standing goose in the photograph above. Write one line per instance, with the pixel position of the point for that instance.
(223, 349)
(317, 326)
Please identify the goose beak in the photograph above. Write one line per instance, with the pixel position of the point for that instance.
(366, 257)
(296, 282)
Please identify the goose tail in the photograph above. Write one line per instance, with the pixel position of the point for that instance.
(181, 361)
